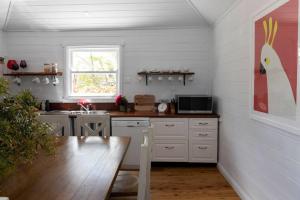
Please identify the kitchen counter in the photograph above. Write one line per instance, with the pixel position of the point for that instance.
(131, 114)
(73, 113)
(160, 115)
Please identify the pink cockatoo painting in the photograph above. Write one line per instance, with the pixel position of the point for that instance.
(281, 101)
(275, 84)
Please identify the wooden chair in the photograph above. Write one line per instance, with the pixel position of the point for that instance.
(130, 184)
(92, 125)
(59, 123)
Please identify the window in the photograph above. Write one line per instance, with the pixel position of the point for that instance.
(92, 72)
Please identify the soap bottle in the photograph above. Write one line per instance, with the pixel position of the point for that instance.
(43, 105)
(47, 105)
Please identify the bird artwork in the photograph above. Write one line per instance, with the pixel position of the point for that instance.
(281, 99)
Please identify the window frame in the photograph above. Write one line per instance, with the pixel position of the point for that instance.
(68, 72)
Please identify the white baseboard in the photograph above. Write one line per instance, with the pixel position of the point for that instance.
(235, 185)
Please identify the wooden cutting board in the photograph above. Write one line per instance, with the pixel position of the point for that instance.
(144, 102)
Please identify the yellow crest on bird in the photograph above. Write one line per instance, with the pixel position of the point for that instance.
(270, 31)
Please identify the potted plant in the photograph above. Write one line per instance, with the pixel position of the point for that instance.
(122, 102)
(22, 135)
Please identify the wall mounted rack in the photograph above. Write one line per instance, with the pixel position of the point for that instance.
(183, 74)
(33, 74)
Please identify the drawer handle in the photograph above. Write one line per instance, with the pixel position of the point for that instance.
(169, 148)
(202, 123)
(202, 134)
(170, 125)
(202, 148)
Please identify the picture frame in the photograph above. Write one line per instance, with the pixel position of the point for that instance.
(266, 88)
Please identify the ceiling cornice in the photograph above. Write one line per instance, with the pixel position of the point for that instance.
(235, 4)
(8, 14)
(192, 5)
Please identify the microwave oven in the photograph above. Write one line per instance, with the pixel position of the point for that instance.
(194, 104)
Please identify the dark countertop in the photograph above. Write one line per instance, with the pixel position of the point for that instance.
(73, 114)
(160, 115)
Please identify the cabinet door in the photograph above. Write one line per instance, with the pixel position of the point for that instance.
(203, 140)
(204, 124)
(170, 129)
(203, 151)
(170, 151)
(200, 134)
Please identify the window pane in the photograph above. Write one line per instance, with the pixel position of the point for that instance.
(93, 84)
(94, 60)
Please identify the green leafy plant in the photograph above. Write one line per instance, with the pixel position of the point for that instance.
(22, 135)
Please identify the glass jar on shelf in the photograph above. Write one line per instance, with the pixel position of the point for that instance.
(47, 68)
(54, 67)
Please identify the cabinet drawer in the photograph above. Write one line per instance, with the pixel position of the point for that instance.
(196, 133)
(170, 129)
(204, 124)
(203, 152)
(170, 151)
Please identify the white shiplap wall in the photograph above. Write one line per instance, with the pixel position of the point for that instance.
(162, 49)
(262, 162)
(2, 48)
(2, 44)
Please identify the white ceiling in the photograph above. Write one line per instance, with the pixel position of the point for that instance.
(212, 10)
(32, 15)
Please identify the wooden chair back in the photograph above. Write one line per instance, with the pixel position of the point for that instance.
(92, 125)
(59, 123)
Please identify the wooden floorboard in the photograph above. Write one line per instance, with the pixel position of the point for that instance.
(189, 183)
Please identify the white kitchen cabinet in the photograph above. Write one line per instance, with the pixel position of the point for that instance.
(170, 150)
(203, 140)
(170, 128)
(203, 123)
(170, 139)
(203, 151)
(195, 134)
(185, 140)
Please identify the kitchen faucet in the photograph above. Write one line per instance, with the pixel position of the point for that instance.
(85, 108)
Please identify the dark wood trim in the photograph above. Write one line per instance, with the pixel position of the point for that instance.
(33, 74)
(160, 115)
(183, 74)
(182, 164)
(166, 73)
(112, 108)
(75, 106)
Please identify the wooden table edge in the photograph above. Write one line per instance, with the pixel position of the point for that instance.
(114, 179)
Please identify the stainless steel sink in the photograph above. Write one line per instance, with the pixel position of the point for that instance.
(95, 112)
(55, 112)
(73, 112)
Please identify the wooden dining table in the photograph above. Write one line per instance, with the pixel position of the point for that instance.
(83, 168)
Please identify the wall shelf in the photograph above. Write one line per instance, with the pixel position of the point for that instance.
(183, 74)
(33, 74)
